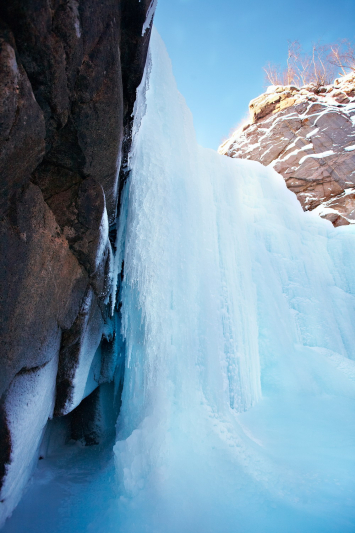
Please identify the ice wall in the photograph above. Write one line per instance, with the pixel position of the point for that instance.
(238, 313)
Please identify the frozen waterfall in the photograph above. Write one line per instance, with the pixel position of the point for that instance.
(231, 294)
(238, 407)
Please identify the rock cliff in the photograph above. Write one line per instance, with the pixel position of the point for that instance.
(308, 136)
(69, 70)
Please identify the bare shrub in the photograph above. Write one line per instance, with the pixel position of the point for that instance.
(319, 67)
(342, 55)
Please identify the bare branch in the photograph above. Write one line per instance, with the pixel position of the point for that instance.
(319, 67)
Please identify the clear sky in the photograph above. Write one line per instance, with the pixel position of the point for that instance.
(218, 49)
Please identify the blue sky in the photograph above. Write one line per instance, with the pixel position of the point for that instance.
(218, 49)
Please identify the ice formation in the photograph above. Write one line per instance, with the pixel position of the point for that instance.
(238, 315)
(231, 293)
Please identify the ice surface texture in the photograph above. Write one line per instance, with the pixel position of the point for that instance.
(238, 312)
(238, 315)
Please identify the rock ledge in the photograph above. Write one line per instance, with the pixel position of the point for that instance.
(308, 135)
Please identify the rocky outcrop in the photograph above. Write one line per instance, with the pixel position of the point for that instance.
(69, 70)
(308, 136)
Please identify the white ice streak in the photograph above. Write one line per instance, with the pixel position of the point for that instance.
(149, 17)
(316, 156)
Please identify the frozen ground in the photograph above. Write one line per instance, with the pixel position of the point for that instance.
(238, 311)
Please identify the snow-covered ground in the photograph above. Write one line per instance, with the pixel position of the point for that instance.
(238, 311)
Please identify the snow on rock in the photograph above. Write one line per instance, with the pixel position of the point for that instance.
(79, 370)
(68, 87)
(26, 408)
(307, 135)
(238, 313)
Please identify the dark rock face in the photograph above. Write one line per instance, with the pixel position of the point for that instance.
(308, 136)
(69, 70)
(70, 51)
(94, 419)
(134, 47)
(31, 393)
(41, 286)
(22, 126)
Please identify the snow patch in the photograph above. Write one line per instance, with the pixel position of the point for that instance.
(28, 405)
(316, 156)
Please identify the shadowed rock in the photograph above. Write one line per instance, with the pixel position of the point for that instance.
(69, 70)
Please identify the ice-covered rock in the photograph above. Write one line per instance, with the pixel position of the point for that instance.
(25, 410)
(68, 79)
(308, 136)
